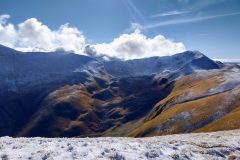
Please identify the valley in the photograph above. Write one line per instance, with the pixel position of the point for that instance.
(87, 96)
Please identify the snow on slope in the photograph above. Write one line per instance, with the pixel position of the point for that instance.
(216, 145)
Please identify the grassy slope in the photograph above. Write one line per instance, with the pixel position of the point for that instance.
(63, 111)
(176, 115)
(227, 122)
(185, 109)
(92, 109)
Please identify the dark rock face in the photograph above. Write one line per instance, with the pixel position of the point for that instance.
(36, 98)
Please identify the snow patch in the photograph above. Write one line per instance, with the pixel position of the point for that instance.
(216, 145)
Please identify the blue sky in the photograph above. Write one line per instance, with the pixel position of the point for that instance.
(210, 26)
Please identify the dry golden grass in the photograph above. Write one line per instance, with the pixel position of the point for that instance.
(120, 130)
(227, 122)
(194, 113)
(185, 109)
(198, 111)
(78, 125)
(188, 88)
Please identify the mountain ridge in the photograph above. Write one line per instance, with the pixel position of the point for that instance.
(61, 94)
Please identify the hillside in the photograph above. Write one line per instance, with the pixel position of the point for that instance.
(62, 94)
(203, 101)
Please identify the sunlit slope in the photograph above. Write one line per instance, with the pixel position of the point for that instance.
(202, 100)
(140, 106)
(227, 122)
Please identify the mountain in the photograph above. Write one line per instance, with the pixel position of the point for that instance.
(62, 94)
(202, 101)
(21, 70)
(183, 63)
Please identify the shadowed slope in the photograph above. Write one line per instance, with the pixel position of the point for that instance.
(73, 111)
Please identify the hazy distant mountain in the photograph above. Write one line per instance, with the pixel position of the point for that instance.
(65, 94)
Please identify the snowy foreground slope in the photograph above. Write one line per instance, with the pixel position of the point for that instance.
(216, 145)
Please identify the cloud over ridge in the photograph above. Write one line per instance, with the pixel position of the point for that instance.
(33, 35)
(137, 45)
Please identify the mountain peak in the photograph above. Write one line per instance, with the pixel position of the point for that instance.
(190, 54)
(198, 54)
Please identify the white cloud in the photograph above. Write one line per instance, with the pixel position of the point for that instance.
(137, 45)
(32, 35)
(136, 26)
(3, 18)
(7, 31)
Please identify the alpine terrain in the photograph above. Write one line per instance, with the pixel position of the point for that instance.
(61, 94)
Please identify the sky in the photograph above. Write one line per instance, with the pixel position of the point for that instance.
(125, 29)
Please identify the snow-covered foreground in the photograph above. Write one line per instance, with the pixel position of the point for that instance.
(217, 145)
